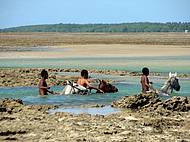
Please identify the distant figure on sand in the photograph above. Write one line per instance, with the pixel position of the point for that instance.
(144, 80)
(83, 81)
(43, 88)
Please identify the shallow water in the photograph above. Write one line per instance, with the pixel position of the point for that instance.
(156, 64)
(91, 110)
(126, 85)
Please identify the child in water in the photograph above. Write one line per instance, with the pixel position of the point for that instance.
(144, 80)
(83, 81)
(43, 88)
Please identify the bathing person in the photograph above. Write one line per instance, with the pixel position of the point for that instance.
(144, 80)
(43, 88)
(83, 81)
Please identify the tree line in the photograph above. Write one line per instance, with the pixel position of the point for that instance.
(123, 27)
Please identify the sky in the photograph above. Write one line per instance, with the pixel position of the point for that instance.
(15, 13)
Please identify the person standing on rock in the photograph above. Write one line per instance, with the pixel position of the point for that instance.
(43, 88)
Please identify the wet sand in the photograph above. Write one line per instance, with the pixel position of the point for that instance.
(60, 45)
(96, 50)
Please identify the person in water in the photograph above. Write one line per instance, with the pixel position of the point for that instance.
(43, 88)
(144, 80)
(83, 81)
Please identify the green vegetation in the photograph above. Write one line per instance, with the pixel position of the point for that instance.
(124, 27)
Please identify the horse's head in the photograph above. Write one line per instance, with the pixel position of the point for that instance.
(174, 81)
(170, 84)
(107, 87)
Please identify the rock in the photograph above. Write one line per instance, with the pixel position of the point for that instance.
(177, 103)
(187, 106)
(137, 101)
(3, 109)
(16, 105)
(6, 133)
(34, 123)
(152, 101)
(10, 139)
(2, 75)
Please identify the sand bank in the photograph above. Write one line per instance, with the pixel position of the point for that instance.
(95, 50)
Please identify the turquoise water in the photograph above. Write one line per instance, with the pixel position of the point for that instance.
(156, 64)
(126, 85)
(93, 110)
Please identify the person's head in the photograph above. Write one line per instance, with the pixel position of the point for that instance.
(44, 74)
(84, 74)
(145, 71)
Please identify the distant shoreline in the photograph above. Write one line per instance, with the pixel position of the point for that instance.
(103, 27)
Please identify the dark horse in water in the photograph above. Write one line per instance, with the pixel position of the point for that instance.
(106, 87)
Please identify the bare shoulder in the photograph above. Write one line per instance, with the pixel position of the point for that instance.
(41, 81)
(142, 76)
(79, 80)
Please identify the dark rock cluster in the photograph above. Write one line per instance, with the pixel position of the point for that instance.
(20, 122)
(10, 105)
(153, 102)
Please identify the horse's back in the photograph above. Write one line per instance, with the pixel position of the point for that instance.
(74, 88)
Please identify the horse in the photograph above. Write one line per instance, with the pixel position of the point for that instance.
(74, 88)
(106, 87)
(171, 84)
